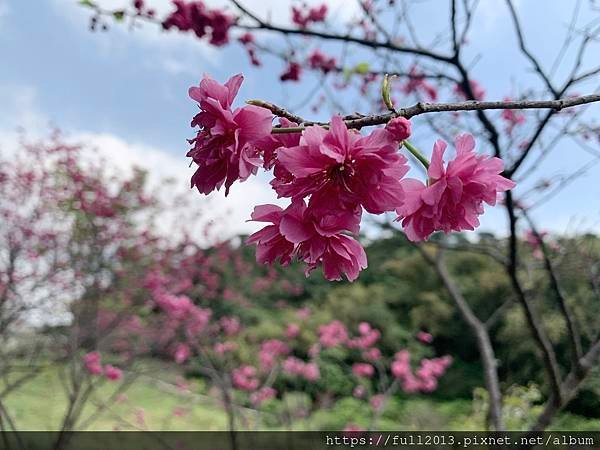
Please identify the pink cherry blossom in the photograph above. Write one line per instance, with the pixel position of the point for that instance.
(262, 395)
(270, 350)
(244, 378)
(359, 391)
(333, 334)
(92, 363)
(453, 198)
(112, 373)
(224, 149)
(512, 117)
(424, 337)
(303, 18)
(271, 245)
(377, 402)
(363, 370)
(194, 16)
(476, 88)
(319, 60)
(292, 72)
(296, 367)
(372, 354)
(399, 127)
(316, 239)
(340, 168)
(292, 330)
(182, 353)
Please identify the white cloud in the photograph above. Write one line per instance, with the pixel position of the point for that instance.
(230, 214)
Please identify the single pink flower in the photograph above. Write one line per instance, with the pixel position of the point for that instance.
(224, 149)
(182, 353)
(339, 168)
(292, 330)
(424, 337)
(319, 60)
(359, 391)
(292, 72)
(271, 245)
(112, 373)
(453, 198)
(377, 402)
(316, 239)
(363, 370)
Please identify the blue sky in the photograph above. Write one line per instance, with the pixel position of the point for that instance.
(127, 91)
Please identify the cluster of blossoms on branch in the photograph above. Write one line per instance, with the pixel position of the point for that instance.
(330, 176)
(93, 364)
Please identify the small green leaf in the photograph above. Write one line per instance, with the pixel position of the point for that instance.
(88, 3)
(119, 15)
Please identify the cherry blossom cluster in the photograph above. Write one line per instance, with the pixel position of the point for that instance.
(93, 364)
(303, 17)
(425, 378)
(204, 22)
(330, 176)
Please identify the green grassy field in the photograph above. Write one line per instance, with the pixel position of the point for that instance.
(154, 402)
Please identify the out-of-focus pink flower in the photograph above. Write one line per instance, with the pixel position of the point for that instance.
(359, 391)
(476, 88)
(244, 378)
(230, 325)
(311, 371)
(416, 84)
(270, 350)
(319, 60)
(221, 348)
(92, 363)
(424, 337)
(262, 395)
(292, 330)
(112, 373)
(363, 370)
(182, 353)
(224, 149)
(512, 117)
(194, 16)
(297, 367)
(303, 18)
(372, 354)
(292, 72)
(180, 411)
(399, 128)
(368, 337)
(453, 198)
(377, 402)
(333, 334)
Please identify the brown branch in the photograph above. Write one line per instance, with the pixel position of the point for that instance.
(570, 387)
(427, 108)
(527, 53)
(482, 337)
(574, 334)
(264, 25)
(533, 320)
